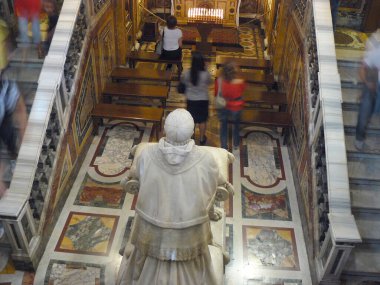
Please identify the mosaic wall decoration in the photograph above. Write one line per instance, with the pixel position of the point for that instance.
(352, 4)
(113, 155)
(261, 160)
(274, 281)
(86, 103)
(248, 6)
(86, 233)
(66, 272)
(265, 206)
(270, 247)
(97, 194)
(65, 167)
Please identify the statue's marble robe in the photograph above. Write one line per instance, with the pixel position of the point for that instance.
(171, 230)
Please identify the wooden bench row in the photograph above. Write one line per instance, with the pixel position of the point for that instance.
(128, 113)
(133, 90)
(246, 63)
(144, 74)
(145, 56)
(155, 116)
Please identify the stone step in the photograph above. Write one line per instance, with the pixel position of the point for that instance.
(349, 74)
(365, 198)
(371, 146)
(364, 260)
(364, 170)
(369, 226)
(350, 97)
(27, 76)
(348, 63)
(350, 119)
(25, 57)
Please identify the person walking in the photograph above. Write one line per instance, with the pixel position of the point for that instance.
(232, 89)
(197, 79)
(51, 9)
(172, 41)
(29, 11)
(369, 73)
(334, 6)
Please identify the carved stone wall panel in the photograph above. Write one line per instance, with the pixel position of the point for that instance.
(281, 31)
(99, 4)
(86, 102)
(121, 15)
(106, 51)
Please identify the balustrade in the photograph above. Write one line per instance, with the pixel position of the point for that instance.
(75, 47)
(312, 55)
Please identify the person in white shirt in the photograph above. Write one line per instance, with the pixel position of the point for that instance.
(172, 40)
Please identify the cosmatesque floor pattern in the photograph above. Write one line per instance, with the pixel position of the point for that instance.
(263, 228)
(264, 235)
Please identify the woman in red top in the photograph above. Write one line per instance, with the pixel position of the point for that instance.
(29, 10)
(232, 90)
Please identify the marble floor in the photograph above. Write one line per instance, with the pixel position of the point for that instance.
(263, 227)
(264, 234)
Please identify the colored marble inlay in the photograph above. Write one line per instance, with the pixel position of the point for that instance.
(65, 272)
(87, 233)
(113, 156)
(230, 242)
(272, 281)
(350, 39)
(261, 161)
(97, 194)
(127, 233)
(270, 247)
(228, 206)
(265, 206)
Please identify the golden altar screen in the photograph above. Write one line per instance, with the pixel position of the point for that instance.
(225, 12)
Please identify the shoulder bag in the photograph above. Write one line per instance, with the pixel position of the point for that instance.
(160, 44)
(220, 102)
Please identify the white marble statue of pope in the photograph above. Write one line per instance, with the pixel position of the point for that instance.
(171, 230)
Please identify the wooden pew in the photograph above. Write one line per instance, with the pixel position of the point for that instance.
(130, 90)
(248, 63)
(257, 78)
(254, 96)
(123, 73)
(128, 113)
(145, 56)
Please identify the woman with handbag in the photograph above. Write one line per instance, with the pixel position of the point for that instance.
(196, 81)
(231, 89)
(171, 37)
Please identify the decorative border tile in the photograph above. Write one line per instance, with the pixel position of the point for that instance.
(74, 266)
(282, 236)
(277, 157)
(102, 144)
(71, 221)
(265, 206)
(93, 193)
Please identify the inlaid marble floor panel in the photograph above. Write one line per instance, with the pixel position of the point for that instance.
(263, 230)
